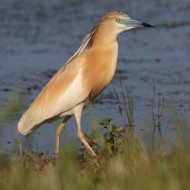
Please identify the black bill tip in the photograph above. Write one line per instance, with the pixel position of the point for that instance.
(147, 25)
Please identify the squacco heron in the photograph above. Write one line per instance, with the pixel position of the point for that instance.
(81, 79)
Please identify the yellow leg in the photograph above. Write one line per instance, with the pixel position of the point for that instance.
(58, 133)
(78, 113)
(83, 140)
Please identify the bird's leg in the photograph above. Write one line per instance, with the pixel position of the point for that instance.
(83, 140)
(58, 133)
(78, 113)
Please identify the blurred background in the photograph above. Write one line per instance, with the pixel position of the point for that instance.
(37, 37)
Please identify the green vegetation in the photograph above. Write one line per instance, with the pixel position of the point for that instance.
(125, 105)
(157, 118)
(122, 163)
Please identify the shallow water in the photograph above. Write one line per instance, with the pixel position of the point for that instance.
(37, 38)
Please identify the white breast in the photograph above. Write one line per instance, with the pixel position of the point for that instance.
(74, 95)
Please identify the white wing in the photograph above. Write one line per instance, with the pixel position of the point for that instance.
(62, 93)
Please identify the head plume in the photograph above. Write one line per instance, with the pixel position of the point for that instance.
(88, 39)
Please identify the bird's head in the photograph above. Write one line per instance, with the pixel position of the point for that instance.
(108, 27)
(120, 22)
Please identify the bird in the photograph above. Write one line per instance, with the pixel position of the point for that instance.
(83, 77)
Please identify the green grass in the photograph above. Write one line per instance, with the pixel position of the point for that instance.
(125, 105)
(130, 167)
(123, 162)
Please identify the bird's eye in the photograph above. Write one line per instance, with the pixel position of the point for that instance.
(118, 20)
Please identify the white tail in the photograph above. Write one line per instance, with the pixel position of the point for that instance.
(24, 125)
(29, 122)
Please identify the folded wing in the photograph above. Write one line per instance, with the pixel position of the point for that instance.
(61, 94)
